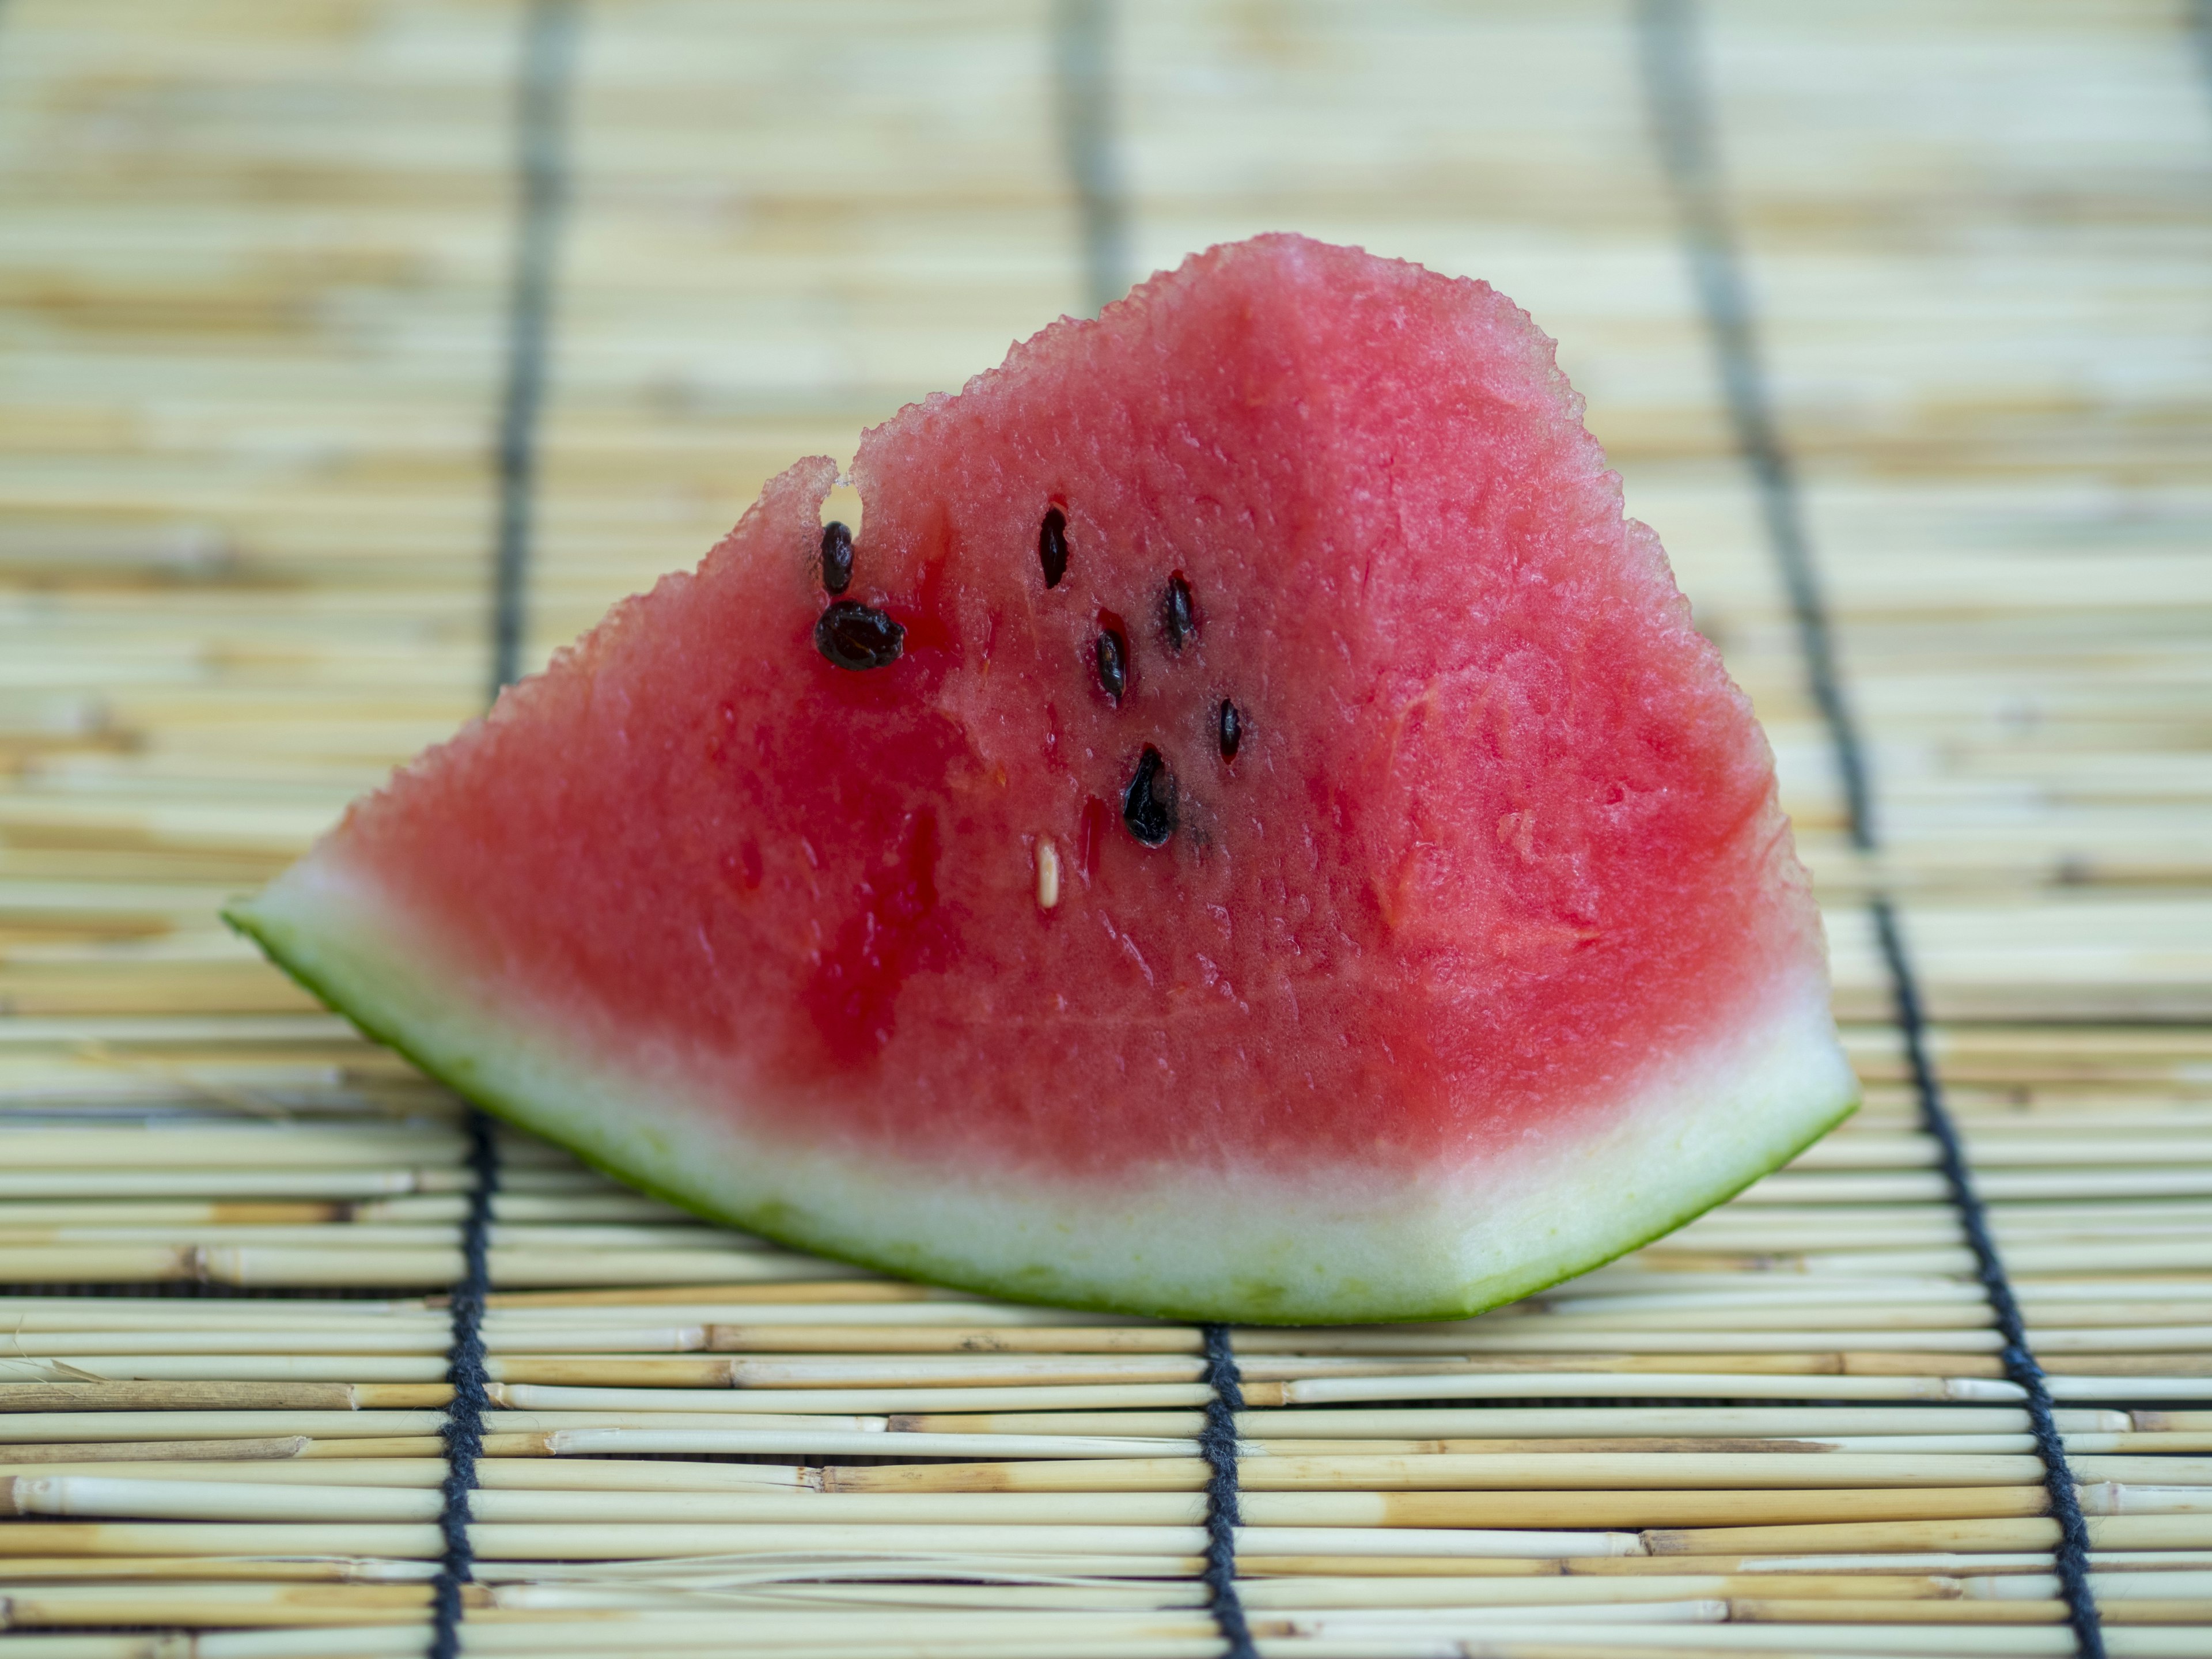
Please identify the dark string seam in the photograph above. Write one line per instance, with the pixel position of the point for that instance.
(2019, 1364)
(2200, 32)
(1666, 30)
(547, 50)
(1217, 1441)
(549, 47)
(465, 1370)
(1083, 36)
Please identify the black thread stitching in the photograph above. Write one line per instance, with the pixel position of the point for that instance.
(1684, 138)
(2072, 1556)
(548, 51)
(2200, 32)
(1217, 1442)
(465, 1370)
(1082, 34)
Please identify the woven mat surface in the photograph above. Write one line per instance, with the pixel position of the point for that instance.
(342, 340)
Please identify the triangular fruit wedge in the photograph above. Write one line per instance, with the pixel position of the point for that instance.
(1247, 831)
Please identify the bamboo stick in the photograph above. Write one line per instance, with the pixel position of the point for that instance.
(2105, 1532)
(1547, 1471)
(140, 1397)
(494, 1474)
(102, 1570)
(159, 1451)
(639, 1541)
(226, 1501)
(232, 1605)
(1567, 1421)
(22, 1428)
(1407, 1581)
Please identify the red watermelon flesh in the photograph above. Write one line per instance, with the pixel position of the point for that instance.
(1485, 957)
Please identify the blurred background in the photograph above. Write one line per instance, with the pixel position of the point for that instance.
(333, 331)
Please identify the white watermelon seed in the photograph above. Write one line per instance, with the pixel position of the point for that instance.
(1048, 872)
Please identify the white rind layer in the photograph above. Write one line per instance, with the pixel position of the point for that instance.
(1317, 1247)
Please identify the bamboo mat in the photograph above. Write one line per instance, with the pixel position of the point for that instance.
(332, 331)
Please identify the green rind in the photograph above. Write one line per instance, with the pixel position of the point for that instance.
(478, 1095)
(772, 1223)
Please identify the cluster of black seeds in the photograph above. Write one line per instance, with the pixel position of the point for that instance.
(849, 634)
(1148, 799)
(858, 637)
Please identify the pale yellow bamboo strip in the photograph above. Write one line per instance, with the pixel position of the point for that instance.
(1550, 1472)
(245, 1569)
(672, 1234)
(216, 1396)
(1427, 1423)
(715, 1440)
(366, 1336)
(872, 1401)
(234, 1145)
(1584, 1506)
(2105, 1532)
(396, 1266)
(2129, 1458)
(276, 1369)
(16, 1217)
(496, 1473)
(273, 1603)
(1999, 1185)
(856, 1303)
(154, 1453)
(721, 1433)
(1830, 1384)
(1402, 1580)
(2002, 1149)
(641, 1541)
(349, 1183)
(1544, 1471)
(313, 1605)
(226, 1605)
(29, 1428)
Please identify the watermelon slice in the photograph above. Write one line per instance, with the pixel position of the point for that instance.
(1246, 831)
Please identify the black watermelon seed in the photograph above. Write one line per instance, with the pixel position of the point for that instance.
(1051, 547)
(1176, 613)
(856, 636)
(836, 557)
(1232, 730)
(1112, 664)
(1148, 805)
